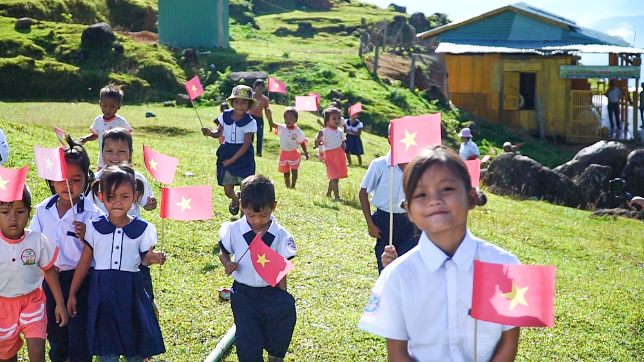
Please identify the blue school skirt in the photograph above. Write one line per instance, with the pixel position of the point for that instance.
(243, 167)
(354, 145)
(121, 318)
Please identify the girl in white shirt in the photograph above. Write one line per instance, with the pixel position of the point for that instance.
(334, 145)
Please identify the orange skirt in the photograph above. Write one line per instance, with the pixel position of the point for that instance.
(289, 160)
(336, 164)
(24, 314)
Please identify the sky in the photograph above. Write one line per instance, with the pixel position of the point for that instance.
(623, 18)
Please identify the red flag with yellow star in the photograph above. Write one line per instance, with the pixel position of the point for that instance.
(271, 266)
(355, 109)
(50, 163)
(514, 295)
(409, 135)
(275, 86)
(306, 103)
(194, 88)
(12, 183)
(187, 203)
(160, 166)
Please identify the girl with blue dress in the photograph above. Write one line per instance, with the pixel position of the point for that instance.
(353, 129)
(121, 318)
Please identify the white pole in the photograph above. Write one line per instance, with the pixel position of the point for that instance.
(391, 207)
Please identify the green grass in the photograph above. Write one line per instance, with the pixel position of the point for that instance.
(600, 275)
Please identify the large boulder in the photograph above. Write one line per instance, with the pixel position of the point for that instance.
(98, 35)
(25, 23)
(248, 77)
(633, 173)
(398, 8)
(592, 182)
(517, 175)
(419, 22)
(606, 153)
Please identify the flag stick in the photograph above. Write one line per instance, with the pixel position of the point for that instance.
(240, 258)
(193, 106)
(162, 236)
(391, 206)
(475, 327)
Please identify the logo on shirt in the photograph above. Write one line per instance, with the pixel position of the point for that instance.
(290, 244)
(28, 257)
(373, 306)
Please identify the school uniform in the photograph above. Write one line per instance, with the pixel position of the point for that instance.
(121, 318)
(377, 183)
(4, 148)
(22, 300)
(290, 141)
(100, 125)
(425, 297)
(334, 159)
(468, 150)
(354, 142)
(265, 316)
(66, 342)
(234, 133)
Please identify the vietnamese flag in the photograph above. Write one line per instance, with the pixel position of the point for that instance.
(187, 203)
(317, 96)
(474, 168)
(160, 166)
(355, 109)
(51, 163)
(271, 266)
(194, 88)
(276, 86)
(306, 103)
(515, 295)
(409, 135)
(12, 183)
(61, 135)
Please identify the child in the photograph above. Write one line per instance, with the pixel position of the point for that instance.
(121, 318)
(264, 315)
(110, 101)
(235, 159)
(57, 221)
(25, 256)
(222, 108)
(469, 150)
(261, 105)
(334, 146)
(377, 182)
(421, 301)
(353, 129)
(4, 148)
(290, 137)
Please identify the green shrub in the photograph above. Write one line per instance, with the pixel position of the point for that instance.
(12, 47)
(133, 15)
(241, 11)
(81, 11)
(398, 97)
(162, 78)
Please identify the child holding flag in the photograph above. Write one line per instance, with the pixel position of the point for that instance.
(264, 315)
(121, 317)
(290, 138)
(55, 218)
(334, 146)
(235, 157)
(353, 129)
(421, 301)
(110, 100)
(26, 256)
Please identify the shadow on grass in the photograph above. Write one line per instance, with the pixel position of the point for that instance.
(210, 267)
(326, 205)
(166, 131)
(352, 203)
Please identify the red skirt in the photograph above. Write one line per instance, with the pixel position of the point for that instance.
(336, 164)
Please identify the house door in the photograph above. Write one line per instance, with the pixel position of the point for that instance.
(511, 98)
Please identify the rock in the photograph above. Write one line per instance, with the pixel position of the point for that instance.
(606, 153)
(513, 174)
(592, 182)
(189, 55)
(118, 48)
(168, 104)
(304, 26)
(398, 8)
(633, 173)
(25, 23)
(419, 22)
(98, 35)
(399, 19)
(183, 100)
(248, 77)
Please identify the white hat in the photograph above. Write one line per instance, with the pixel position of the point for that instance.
(465, 132)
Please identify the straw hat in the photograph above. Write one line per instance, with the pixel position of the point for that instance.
(242, 92)
(465, 132)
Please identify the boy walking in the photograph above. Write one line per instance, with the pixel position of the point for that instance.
(258, 111)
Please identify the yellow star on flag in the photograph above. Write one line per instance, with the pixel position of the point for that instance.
(516, 296)
(308, 103)
(261, 259)
(153, 165)
(409, 140)
(276, 85)
(185, 203)
(3, 183)
(49, 163)
(194, 88)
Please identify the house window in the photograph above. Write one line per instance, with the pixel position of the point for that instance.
(528, 90)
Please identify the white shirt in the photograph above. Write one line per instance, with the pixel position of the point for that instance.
(235, 134)
(61, 230)
(236, 236)
(4, 148)
(119, 248)
(377, 182)
(290, 139)
(469, 149)
(22, 262)
(332, 138)
(99, 127)
(354, 127)
(135, 209)
(424, 297)
(613, 94)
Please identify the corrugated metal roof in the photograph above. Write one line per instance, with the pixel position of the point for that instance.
(594, 48)
(542, 13)
(453, 48)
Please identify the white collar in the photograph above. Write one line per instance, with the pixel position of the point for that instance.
(434, 257)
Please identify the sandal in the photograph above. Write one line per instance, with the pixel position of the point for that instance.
(234, 208)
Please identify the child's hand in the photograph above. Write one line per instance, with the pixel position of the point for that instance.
(231, 267)
(61, 315)
(155, 257)
(151, 204)
(374, 231)
(71, 305)
(388, 255)
(206, 131)
(227, 162)
(80, 228)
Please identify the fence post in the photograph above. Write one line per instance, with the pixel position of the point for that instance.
(375, 59)
(412, 77)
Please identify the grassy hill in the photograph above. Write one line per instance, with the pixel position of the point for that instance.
(600, 262)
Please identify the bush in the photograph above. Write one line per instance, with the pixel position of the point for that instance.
(85, 12)
(161, 77)
(12, 47)
(241, 11)
(133, 15)
(398, 97)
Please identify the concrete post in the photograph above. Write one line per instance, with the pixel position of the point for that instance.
(412, 76)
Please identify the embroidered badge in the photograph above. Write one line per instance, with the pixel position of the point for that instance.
(373, 305)
(28, 257)
(290, 244)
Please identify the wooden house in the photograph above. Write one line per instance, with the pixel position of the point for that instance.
(506, 66)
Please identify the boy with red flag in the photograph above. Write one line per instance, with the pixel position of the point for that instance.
(264, 315)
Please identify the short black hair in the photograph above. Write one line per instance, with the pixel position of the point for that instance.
(112, 91)
(113, 177)
(291, 110)
(26, 198)
(259, 82)
(257, 192)
(118, 134)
